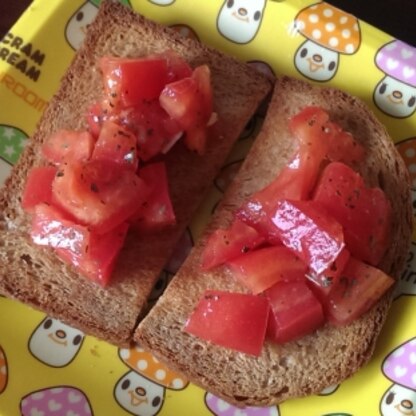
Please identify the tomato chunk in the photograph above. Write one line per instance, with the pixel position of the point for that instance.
(232, 320)
(50, 227)
(98, 262)
(357, 290)
(128, 82)
(226, 244)
(262, 268)
(295, 311)
(313, 236)
(67, 146)
(38, 187)
(116, 143)
(99, 193)
(365, 213)
(189, 102)
(157, 212)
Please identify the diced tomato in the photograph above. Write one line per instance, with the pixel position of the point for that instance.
(306, 229)
(178, 68)
(189, 101)
(99, 193)
(322, 284)
(295, 311)
(365, 213)
(262, 268)
(128, 82)
(357, 290)
(38, 187)
(98, 262)
(95, 118)
(226, 244)
(67, 146)
(116, 143)
(232, 320)
(158, 211)
(50, 227)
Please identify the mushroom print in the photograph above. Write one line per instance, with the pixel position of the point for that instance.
(407, 283)
(141, 391)
(400, 367)
(162, 2)
(54, 343)
(12, 142)
(329, 33)
(220, 407)
(78, 23)
(3, 371)
(61, 400)
(240, 20)
(395, 94)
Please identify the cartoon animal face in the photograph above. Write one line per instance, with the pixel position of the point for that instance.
(78, 24)
(138, 395)
(395, 97)
(316, 62)
(398, 401)
(55, 343)
(239, 20)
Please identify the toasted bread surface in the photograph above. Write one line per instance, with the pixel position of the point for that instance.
(34, 275)
(325, 357)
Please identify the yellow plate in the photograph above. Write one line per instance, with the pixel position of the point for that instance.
(47, 368)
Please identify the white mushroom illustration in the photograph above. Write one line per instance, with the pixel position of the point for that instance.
(400, 367)
(329, 32)
(141, 391)
(395, 94)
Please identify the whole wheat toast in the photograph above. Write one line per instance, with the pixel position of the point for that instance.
(318, 360)
(34, 275)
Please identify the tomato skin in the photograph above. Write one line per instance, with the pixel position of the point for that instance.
(242, 317)
(313, 236)
(38, 187)
(365, 213)
(50, 227)
(67, 146)
(262, 268)
(99, 193)
(158, 211)
(226, 244)
(128, 82)
(178, 68)
(295, 311)
(116, 144)
(359, 287)
(98, 262)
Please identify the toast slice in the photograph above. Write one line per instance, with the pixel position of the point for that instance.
(35, 275)
(316, 361)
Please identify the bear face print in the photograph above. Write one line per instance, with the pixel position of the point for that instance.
(329, 32)
(400, 367)
(395, 94)
(138, 395)
(78, 23)
(240, 20)
(54, 343)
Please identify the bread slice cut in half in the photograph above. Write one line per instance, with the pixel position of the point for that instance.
(330, 354)
(35, 275)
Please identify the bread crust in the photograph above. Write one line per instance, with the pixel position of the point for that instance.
(35, 275)
(331, 354)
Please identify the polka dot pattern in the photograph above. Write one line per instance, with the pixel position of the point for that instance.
(144, 363)
(407, 150)
(329, 27)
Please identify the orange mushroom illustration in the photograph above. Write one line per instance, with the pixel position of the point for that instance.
(329, 33)
(141, 391)
(3, 371)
